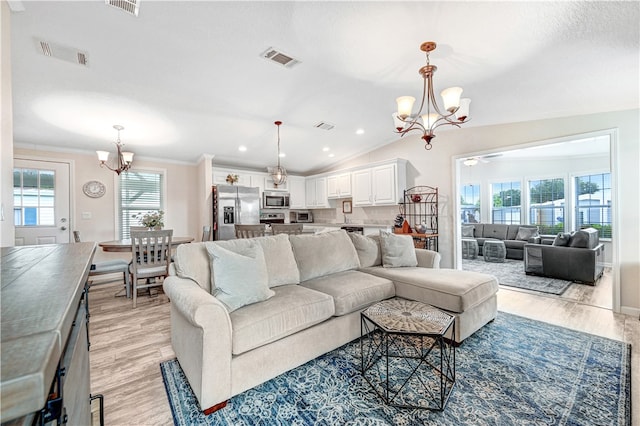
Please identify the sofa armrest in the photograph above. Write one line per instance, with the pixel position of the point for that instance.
(201, 337)
(428, 258)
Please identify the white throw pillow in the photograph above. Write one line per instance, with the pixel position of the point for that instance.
(397, 250)
(240, 278)
(368, 249)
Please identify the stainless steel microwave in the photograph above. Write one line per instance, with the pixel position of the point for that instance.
(275, 200)
(300, 216)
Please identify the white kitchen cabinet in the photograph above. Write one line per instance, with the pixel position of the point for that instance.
(379, 185)
(297, 192)
(220, 177)
(339, 185)
(270, 186)
(316, 192)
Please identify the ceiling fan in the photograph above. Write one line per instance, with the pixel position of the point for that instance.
(472, 161)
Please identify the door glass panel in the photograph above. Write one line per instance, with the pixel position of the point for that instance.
(33, 197)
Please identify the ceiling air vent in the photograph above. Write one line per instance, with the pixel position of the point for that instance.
(277, 56)
(130, 6)
(67, 54)
(324, 125)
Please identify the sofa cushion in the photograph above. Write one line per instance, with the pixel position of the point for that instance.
(323, 254)
(293, 308)
(368, 249)
(240, 278)
(467, 231)
(585, 238)
(352, 290)
(278, 255)
(192, 261)
(562, 239)
(449, 289)
(495, 231)
(397, 250)
(526, 232)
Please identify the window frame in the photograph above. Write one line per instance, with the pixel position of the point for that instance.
(118, 227)
(566, 207)
(511, 181)
(478, 195)
(574, 198)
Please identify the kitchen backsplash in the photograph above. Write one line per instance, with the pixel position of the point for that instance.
(369, 215)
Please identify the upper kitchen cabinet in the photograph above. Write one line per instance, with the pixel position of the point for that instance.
(297, 190)
(270, 186)
(316, 192)
(220, 177)
(379, 185)
(339, 185)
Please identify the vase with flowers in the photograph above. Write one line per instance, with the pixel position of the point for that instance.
(152, 219)
(232, 178)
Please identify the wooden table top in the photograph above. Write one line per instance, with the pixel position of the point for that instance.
(41, 290)
(125, 245)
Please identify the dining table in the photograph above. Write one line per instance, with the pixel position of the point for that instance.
(125, 244)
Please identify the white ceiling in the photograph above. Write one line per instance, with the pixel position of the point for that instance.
(186, 78)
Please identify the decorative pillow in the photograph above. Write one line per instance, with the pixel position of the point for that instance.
(368, 249)
(397, 250)
(467, 231)
(562, 239)
(240, 278)
(579, 239)
(525, 233)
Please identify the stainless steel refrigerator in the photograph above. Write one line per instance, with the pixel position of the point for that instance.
(234, 205)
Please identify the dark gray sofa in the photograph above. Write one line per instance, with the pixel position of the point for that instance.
(580, 258)
(514, 241)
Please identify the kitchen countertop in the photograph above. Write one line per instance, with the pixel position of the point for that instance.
(41, 290)
(364, 225)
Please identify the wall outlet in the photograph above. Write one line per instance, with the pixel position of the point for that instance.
(86, 215)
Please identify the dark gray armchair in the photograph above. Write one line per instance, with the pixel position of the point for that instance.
(579, 259)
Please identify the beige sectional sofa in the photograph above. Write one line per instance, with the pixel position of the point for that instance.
(310, 292)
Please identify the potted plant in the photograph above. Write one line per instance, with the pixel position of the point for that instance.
(152, 220)
(232, 178)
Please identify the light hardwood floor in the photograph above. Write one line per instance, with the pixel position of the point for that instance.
(128, 344)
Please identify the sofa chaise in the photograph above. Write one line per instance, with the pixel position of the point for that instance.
(513, 236)
(281, 301)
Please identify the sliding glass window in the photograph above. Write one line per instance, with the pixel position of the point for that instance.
(593, 203)
(547, 205)
(506, 202)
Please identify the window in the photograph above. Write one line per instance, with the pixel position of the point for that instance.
(546, 205)
(140, 192)
(470, 203)
(33, 197)
(593, 203)
(506, 202)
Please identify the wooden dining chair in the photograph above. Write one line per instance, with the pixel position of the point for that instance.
(206, 233)
(114, 266)
(151, 256)
(286, 228)
(249, 231)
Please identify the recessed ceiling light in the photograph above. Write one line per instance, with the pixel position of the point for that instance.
(325, 149)
(360, 132)
(282, 155)
(331, 155)
(242, 148)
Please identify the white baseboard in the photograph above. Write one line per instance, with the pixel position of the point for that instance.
(628, 310)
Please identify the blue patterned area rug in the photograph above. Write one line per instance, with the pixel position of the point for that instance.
(511, 273)
(513, 371)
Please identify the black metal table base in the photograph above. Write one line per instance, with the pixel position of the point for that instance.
(408, 370)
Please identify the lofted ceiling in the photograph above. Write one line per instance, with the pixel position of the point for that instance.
(187, 78)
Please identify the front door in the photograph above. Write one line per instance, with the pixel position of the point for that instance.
(41, 202)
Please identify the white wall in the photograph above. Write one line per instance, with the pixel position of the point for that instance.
(7, 232)
(435, 168)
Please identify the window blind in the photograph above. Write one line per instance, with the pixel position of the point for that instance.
(140, 192)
